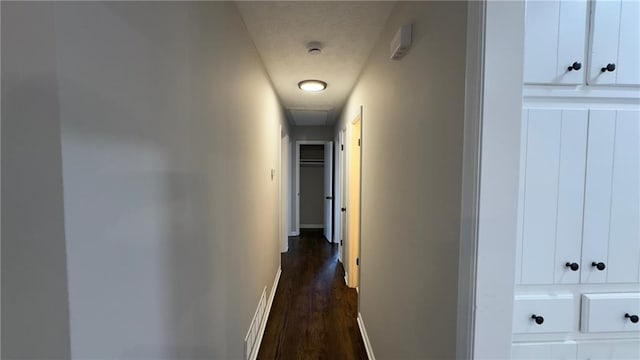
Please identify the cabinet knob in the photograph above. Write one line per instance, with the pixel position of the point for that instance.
(610, 67)
(633, 318)
(575, 66)
(600, 265)
(538, 319)
(572, 266)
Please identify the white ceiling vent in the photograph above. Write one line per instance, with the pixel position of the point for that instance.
(401, 42)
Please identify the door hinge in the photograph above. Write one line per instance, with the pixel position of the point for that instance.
(358, 142)
(340, 242)
(341, 147)
(358, 261)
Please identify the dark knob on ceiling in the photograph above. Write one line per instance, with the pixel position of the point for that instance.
(538, 319)
(633, 318)
(598, 265)
(610, 67)
(575, 66)
(572, 266)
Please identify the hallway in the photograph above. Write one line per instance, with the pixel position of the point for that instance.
(314, 313)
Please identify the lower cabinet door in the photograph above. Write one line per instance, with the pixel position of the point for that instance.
(548, 350)
(609, 350)
(610, 312)
(544, 313)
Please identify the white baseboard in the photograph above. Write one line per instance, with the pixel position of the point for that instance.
(294, 233)
(311, 226)
(346, 277)
(365, 338)
(272, 294)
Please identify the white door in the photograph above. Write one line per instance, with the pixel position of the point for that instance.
(555, 42)
(328, 190)
(611, 239)
(554, 151)
(615, 42)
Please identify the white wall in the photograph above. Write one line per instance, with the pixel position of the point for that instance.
(169, 131)
(35, 314)
(412, 142)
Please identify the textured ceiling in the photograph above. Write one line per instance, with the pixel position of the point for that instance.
(347, 30)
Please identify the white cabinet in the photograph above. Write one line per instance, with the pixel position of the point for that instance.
(559, 32)
(555, 40)
(615, 42)
(549, 350)
(580, 206)
(613, 312)
(543, 313)
(611, 235)
(554, 151)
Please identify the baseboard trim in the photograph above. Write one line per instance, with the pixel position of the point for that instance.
(365, 338)
(293, 233)
(311, 226)
(263, 326)
(346, 277)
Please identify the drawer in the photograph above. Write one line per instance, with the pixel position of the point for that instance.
(610, 349)
(547, 350)
(607, 312)
(554, 313)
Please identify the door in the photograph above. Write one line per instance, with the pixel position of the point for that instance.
(353, 204)
(611, 240)
(343, 193)
(555, 41)
(328, 190)
(554, 151)
(615, 42)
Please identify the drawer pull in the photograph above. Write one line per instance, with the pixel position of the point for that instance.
(609, 68)
(572, 266)
(600, 265)
(633, 318)
(575, 66)
(538, 319)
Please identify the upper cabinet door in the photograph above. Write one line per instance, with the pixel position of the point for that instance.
(615, 43)
(555, 41)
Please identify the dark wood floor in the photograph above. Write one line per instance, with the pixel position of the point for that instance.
(314, 313)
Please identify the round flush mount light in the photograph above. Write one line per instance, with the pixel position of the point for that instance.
(312, 85)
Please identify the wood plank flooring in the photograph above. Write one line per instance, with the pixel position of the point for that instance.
(314, 313)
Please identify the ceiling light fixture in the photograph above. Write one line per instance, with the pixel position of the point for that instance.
(312, 85)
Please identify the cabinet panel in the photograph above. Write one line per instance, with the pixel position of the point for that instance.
(612, 198)
(606, 312)
(598, 194)
(552, 196)
(550, 350)
(540, 195)
(573, 151)
(624, 228)
(555, 33)
(614, 40)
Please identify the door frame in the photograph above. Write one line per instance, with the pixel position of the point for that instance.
(339, 191)
(297, 178)
(490, 178)
(284, 187)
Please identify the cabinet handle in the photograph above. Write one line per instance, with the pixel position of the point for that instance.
(575, 66)
(538, 319)
(572, 266)
(633, 318)
(600, 265)
(610, 68)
